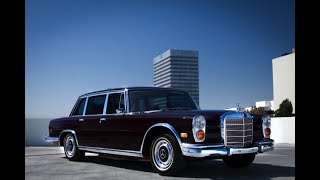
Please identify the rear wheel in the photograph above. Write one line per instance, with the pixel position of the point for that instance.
(71, 149)
(239, 161)
(165, 154)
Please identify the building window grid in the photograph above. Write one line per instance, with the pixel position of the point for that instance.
(178, 72)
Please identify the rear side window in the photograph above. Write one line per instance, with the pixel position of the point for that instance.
(80, 107)
(115, 101)
(95, 105)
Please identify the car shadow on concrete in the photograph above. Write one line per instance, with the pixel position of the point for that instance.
(213, 169)
(216, 169)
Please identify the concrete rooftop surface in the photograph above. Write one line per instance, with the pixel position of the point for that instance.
(50, 163)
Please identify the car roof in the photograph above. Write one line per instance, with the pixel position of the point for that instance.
(130, 88)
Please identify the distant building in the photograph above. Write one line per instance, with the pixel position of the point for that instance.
(248, 109)
(266, 105)
(283, 71)
(236, 109)
(178, 69)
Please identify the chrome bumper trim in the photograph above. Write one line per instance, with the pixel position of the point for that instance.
(265, 148)
(186, 145)
(204, 152)
(51, 139)
(233, 151)
(196, 150)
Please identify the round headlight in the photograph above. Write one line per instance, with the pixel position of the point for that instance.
(266, 121)
(199, 122)
(199, 128)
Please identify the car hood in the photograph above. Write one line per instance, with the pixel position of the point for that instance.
(213, 117)
(209, 115)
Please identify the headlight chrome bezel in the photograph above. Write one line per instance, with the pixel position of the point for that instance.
(266, 123)
(198, 123)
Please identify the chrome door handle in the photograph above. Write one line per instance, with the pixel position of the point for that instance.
(81, 119)
(102, 119)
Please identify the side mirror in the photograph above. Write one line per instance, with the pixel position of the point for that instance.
(120, 110)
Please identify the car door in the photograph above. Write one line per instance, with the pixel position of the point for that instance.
(89, 124)
(114, 130)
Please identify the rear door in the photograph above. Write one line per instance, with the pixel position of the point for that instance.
(88, 128)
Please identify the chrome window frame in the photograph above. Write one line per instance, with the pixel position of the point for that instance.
(105, 104)
(76, 105)
(125, 101)
(103, 111)
(85, 106)
(126, 96)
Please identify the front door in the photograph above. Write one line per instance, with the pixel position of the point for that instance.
(113, 127)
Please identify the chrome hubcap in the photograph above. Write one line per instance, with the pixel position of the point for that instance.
(163, 154)
(69, 147)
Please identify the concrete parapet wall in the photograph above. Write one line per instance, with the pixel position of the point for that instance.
(35, 131)
(283, 129)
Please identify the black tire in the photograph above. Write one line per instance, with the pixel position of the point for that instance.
(168, 159)
(239, 161)
(71, 149)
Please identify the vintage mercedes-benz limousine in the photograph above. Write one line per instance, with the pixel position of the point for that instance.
(163, 125)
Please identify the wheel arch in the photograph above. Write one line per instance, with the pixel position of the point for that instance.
(66, 132)
(156, 130)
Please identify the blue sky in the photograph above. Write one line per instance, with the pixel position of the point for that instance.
(76, 46)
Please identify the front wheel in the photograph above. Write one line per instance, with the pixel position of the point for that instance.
(71, 149)
(166, 157)
(239, 161)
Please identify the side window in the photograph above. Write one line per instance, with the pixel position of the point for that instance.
(95, 105)
(115, 101)
(80, 107)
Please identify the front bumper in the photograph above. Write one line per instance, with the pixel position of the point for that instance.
(196, 150)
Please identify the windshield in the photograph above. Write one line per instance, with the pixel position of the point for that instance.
(149, 100)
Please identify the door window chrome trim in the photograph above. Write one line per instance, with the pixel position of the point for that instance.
(126, 96)
(126, 101)
(115, 92)
(105, 104)
(103, 112)
(85, 107)
(102, 92)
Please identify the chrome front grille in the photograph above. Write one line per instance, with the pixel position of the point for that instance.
(238, 131)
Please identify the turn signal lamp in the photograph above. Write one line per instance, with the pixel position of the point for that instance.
(183, 135)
